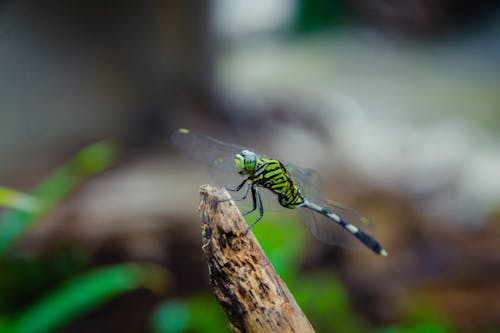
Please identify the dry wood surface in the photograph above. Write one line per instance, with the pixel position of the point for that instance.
(245, 283)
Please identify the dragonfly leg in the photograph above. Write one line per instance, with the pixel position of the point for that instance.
(261, 212)
(237, 189)
(254, 200)
(247, 190)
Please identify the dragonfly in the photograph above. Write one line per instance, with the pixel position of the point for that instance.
(294, 187)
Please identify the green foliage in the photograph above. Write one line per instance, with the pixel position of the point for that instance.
(197, 314)
(89, 161)
(282, 238)
(326, 303)
(13, 199)
(424, 317)
(80, 295)
(22, 277)
(172, 316)
(421, 317)
(94, 158)
(318, 15)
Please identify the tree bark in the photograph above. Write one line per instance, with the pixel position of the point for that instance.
(251, 293)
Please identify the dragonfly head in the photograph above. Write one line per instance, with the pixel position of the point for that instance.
(245, 162)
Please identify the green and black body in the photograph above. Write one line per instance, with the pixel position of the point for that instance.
(272, 174)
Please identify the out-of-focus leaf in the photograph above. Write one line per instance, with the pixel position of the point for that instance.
(425, 317)
(83, 294)
(24, 278)
(421, 317)
(198, 314)
(171, 317)
(89, 161)
(326, 303)
(282, 238)
(18, 200)
(389, 329)
(416, 328)
(94, 158)
(318, 15)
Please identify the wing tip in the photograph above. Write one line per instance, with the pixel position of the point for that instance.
(383, 253)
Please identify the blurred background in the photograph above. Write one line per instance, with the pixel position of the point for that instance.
(395, 103)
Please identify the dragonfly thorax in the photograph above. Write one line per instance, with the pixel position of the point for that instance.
(245, 162)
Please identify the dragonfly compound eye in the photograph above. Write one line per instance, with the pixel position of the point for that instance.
(245, 162)
(239, 163)
(250, 160)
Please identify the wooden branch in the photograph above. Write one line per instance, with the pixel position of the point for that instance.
(253, 296)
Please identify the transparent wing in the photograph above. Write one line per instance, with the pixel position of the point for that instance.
(217, 155)
(212, 152)
(308, 181)
(330, 232)
(323, 228)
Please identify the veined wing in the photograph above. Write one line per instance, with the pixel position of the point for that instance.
(216, 154)
(323, 228)
(329, 232)
(308, 181)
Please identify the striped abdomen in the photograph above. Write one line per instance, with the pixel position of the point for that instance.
(366, 239)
